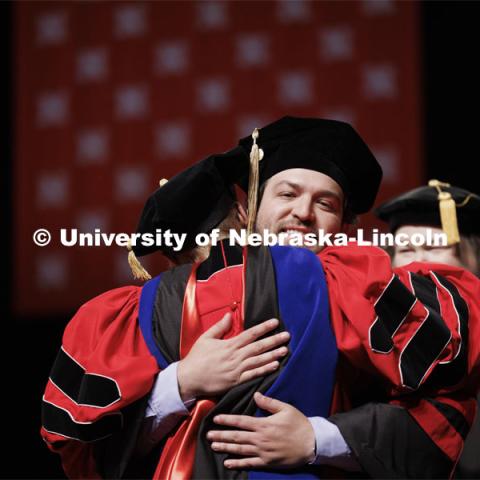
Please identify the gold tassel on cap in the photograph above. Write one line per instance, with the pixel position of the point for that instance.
(137, 268)
(448, 212)
(256, 154)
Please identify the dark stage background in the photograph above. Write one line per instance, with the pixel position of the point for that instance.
(403, 72)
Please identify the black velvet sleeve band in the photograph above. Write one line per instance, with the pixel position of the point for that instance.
(393, 445)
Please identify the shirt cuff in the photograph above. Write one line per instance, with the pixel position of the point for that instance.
(330, 446)
(165, 397)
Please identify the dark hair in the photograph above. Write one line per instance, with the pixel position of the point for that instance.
(349, 217)
(261, 191)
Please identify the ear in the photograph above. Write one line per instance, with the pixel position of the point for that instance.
(241, 214)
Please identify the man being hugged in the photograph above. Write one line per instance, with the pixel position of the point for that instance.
(376, 377)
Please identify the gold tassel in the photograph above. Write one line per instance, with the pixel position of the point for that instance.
(448, 216)
(448, 212)
(137, 268)
(256, 154)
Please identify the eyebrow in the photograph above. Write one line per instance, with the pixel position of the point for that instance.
(297, 186)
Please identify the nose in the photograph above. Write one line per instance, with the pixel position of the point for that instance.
(303, 209)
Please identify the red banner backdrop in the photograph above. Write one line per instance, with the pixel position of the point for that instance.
(113, 96)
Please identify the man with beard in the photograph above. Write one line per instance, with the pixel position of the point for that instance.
(408, 421)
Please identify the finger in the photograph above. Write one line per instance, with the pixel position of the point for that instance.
(258, 372)
(242, 422)
(232, 436)
(264, 345)
(220, 328)
(243, 463)
(269, 404)
(234, 448)
(264, 358)
(251, 334)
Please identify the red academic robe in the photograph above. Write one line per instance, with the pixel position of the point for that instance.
(383, 320)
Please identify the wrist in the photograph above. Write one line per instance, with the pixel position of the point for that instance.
(186, 389)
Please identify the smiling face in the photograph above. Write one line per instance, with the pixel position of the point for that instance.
(301, 201)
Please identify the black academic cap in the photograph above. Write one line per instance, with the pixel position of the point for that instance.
(327, 146)
(421, 206)
(197, 199)
(194, 201)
